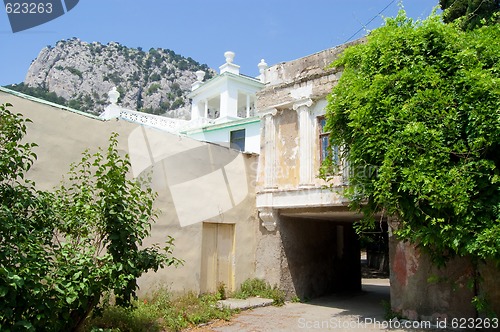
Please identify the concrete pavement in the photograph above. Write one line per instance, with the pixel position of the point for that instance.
(362, 311)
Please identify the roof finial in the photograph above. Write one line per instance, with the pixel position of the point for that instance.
(113, 95)
(262, 69)
(229, 56)
(200, 75)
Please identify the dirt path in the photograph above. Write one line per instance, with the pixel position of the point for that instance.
(354, 312)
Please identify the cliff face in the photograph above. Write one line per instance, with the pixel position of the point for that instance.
(82, 73)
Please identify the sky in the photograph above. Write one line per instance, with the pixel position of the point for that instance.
(274, 30)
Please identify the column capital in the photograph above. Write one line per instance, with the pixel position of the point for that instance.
(268, 111)
(269, 217)
(302, 103)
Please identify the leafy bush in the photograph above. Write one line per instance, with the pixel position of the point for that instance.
(419, 103)
(60, 252)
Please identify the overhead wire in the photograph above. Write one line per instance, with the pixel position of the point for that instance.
(370, 21)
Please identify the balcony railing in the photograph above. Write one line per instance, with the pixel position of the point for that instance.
(161, 122)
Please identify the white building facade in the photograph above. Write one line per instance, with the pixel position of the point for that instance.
(223, 108)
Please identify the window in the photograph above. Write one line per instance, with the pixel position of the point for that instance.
(237, 139)
(324, 142)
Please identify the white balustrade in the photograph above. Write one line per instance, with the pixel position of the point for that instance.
(160, 122)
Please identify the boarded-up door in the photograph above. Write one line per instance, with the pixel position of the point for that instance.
(217, 256)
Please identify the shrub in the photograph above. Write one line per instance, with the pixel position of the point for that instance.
(61, 251)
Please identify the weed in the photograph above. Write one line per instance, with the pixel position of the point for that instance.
(159, 313)
(221, 290)
(390, 314)
(260, 288)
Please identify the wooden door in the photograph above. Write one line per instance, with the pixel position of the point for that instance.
(217, 256)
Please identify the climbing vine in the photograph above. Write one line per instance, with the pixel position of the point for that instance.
(420, 103)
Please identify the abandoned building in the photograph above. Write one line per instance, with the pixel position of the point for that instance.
(308, 245)
(257, 209)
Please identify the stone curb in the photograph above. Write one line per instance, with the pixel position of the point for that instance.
(244, 304)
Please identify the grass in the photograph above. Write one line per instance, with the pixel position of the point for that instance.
(160, 313)
(260, 288)
(164, 312)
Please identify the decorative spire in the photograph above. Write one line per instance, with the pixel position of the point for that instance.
(229, 66)
(229, 56)
(262, 68)
(113, 96)
(200, 75)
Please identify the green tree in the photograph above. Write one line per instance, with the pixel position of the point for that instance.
(61, 252)
(470, 12)
(419, 102)
(38, 92)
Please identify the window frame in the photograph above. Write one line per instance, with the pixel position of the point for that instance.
(234, 141)
(325, 150)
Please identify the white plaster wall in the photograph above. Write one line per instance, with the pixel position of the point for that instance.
(186, 174)
(222, 136)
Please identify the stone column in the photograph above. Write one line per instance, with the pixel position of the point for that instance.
(270, 149)
(306, 140)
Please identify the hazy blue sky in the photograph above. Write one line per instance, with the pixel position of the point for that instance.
(276, 30)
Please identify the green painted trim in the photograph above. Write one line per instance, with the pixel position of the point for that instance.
(221, 126)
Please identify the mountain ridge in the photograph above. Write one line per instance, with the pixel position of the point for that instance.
(79, 75)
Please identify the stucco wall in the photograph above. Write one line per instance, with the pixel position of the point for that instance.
(196, 182)
(421, 291)
(287, 158)
(309, 77)
(301, 256)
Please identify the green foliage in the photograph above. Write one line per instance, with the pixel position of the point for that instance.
(390, 314)
(419, 102)
(140, 318)
(152, 89)
(221, 291)
(121, 91)
(106, 210)
(75, 104)
(75, 71)
(60, 252)
(150, 110)
(162, 312)
(37, 92)
(470, 14)
(179, 102)
(260, 288)
(155, 77)
(25, 228)
(114, 77)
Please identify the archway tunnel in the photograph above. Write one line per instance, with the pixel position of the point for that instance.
(322, 253)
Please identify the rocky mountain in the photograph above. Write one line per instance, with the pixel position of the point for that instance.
(81, 74)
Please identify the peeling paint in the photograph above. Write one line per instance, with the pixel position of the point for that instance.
(405, 263)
